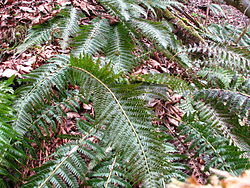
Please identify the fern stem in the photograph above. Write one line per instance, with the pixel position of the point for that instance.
(110, 174)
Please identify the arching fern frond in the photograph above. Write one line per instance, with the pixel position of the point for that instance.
(224, 124)
(118, 7)
(37, 35)
(127, 122)
(9, 154)
(227, 34)
(170, 81)
(70, 27)
(224, 79)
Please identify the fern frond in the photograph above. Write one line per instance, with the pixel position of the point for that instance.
(36, 36)
(222, 78)
(236, 103)
(234, 59)
(9, 154)
(70, 27)
(119, 50)
(162, 4)
(231, 114)
(33, 96)
(215, 149)
(118, 7)
(129, 130)
(64, 25)
(224, 124)
(67, 167)
(51, 114)
(245, 87)
(108, 173)
(154, 31)
(92, 38)
(227, 34)
(172, 82)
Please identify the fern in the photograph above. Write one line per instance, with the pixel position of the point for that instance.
(53, 114)
(120, 7)
(33, 96)
(62, 26)
(128, 150)
(234, 59)
(162, 4)
(108, 173)
(226, 124)
(154, 30)
(237, 103)
(216, 149)
(9, 153)
(121, 123)
(218, 77)
(92, 38)
(68, 166)
(119, 50)
(70, 27)
(226, 34)
(135, 130)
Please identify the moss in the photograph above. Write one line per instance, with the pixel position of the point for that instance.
(181, 25)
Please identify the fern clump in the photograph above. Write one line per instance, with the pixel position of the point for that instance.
(119, 141)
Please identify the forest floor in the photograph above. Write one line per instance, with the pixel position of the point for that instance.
(17, 16)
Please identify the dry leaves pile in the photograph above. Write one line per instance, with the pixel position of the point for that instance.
(15, 18)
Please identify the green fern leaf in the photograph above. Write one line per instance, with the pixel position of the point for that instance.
(9, 154)
(64, 25)
(119, 50)
(128, 124)
(118, 7)
(215, 149)
(234, 59)
(225, 124)
(154, 30)
(92, 38)
(33, 96)
(108, 173)
(70, 27)
(224, 79)
(236, 103)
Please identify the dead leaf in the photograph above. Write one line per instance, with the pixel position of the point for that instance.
(9, 72)
(71, 115)
(27, 9)
(86, 106)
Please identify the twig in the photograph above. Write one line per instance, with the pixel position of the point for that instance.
(243, 32)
